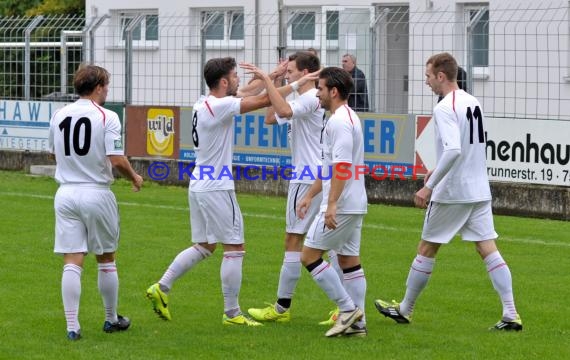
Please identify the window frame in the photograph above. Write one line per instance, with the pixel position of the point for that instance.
(320, 26)
(122, 23)
(478, 71)
(228, 21)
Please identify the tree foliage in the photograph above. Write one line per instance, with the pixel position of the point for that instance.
(45, 61)
(41, 7)
(52, 7)
(17, 7)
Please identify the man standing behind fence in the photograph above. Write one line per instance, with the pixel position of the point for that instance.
(457, 196)
(86, 141)
(358, 98)
(215, 215)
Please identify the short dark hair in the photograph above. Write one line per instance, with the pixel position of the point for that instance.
(88, 77)
(306, 60)
(216, 68)
(338, 78)
(313, 51)
(445, 63)
(462, 79)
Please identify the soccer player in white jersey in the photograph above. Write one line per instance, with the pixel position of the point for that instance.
(86, 141)
(338, 224)
(304, 116)
(457, 195)
(215, 215)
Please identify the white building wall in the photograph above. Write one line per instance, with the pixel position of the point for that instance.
(528, 55)
(526, 76)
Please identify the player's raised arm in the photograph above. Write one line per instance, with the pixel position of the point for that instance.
(257, 85)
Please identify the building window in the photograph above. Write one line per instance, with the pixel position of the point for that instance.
(478, 20)
(305, 27)
(144, 33)
(332, 25)
(223, 28)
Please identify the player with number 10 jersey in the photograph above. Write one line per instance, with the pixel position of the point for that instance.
(83, 134)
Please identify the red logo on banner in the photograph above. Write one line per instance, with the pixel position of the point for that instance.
(425, 157)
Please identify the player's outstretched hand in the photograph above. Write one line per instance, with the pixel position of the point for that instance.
(314, 76)
(253, 70)
(280, 70)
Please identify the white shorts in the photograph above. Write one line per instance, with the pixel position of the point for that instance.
(86, 220)
(294, 224)
(473, 221)
(345, 239)
(215, 217)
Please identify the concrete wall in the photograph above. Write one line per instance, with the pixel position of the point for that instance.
(541, 201)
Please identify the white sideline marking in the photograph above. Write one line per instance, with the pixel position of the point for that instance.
(273, 217)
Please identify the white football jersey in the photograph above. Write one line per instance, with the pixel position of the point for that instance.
(306, 125)
(213, 137)
(81, 135)
(459, 124)
(343, 143)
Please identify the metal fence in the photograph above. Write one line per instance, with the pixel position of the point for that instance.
(515, 56)
(39, 55)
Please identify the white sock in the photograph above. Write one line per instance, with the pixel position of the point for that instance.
(333, 260)
(71, 293)
(502, 282)
(231, 273)
(183, 262)
(328, 280)
(355, 285)
(290, 275)
(418, 277)
(108, 283)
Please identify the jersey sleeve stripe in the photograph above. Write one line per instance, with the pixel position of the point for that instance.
(349, 116)
(209, 108)
(99, 108)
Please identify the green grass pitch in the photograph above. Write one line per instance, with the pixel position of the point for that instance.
(450, 321)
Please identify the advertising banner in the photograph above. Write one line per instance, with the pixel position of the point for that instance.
(24, 125)
(518, 150)
(153, 131)
(388, 141)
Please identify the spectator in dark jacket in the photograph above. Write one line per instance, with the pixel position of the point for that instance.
(358, 98)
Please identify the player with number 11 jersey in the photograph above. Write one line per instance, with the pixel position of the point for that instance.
(459, 126)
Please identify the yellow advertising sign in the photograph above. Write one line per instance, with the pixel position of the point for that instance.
(160, 132)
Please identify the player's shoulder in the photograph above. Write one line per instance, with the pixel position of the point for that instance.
(465, 100)
(347, 112)
(447, 105)
(344, 116)
(108, 116)
(309, 94)
(221, 102)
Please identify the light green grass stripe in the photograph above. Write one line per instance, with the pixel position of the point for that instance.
(273, 217)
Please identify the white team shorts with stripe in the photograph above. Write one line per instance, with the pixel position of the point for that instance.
(86, 219)
(215, 217)
(473, 221)
(345, 239)
(294, 224)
